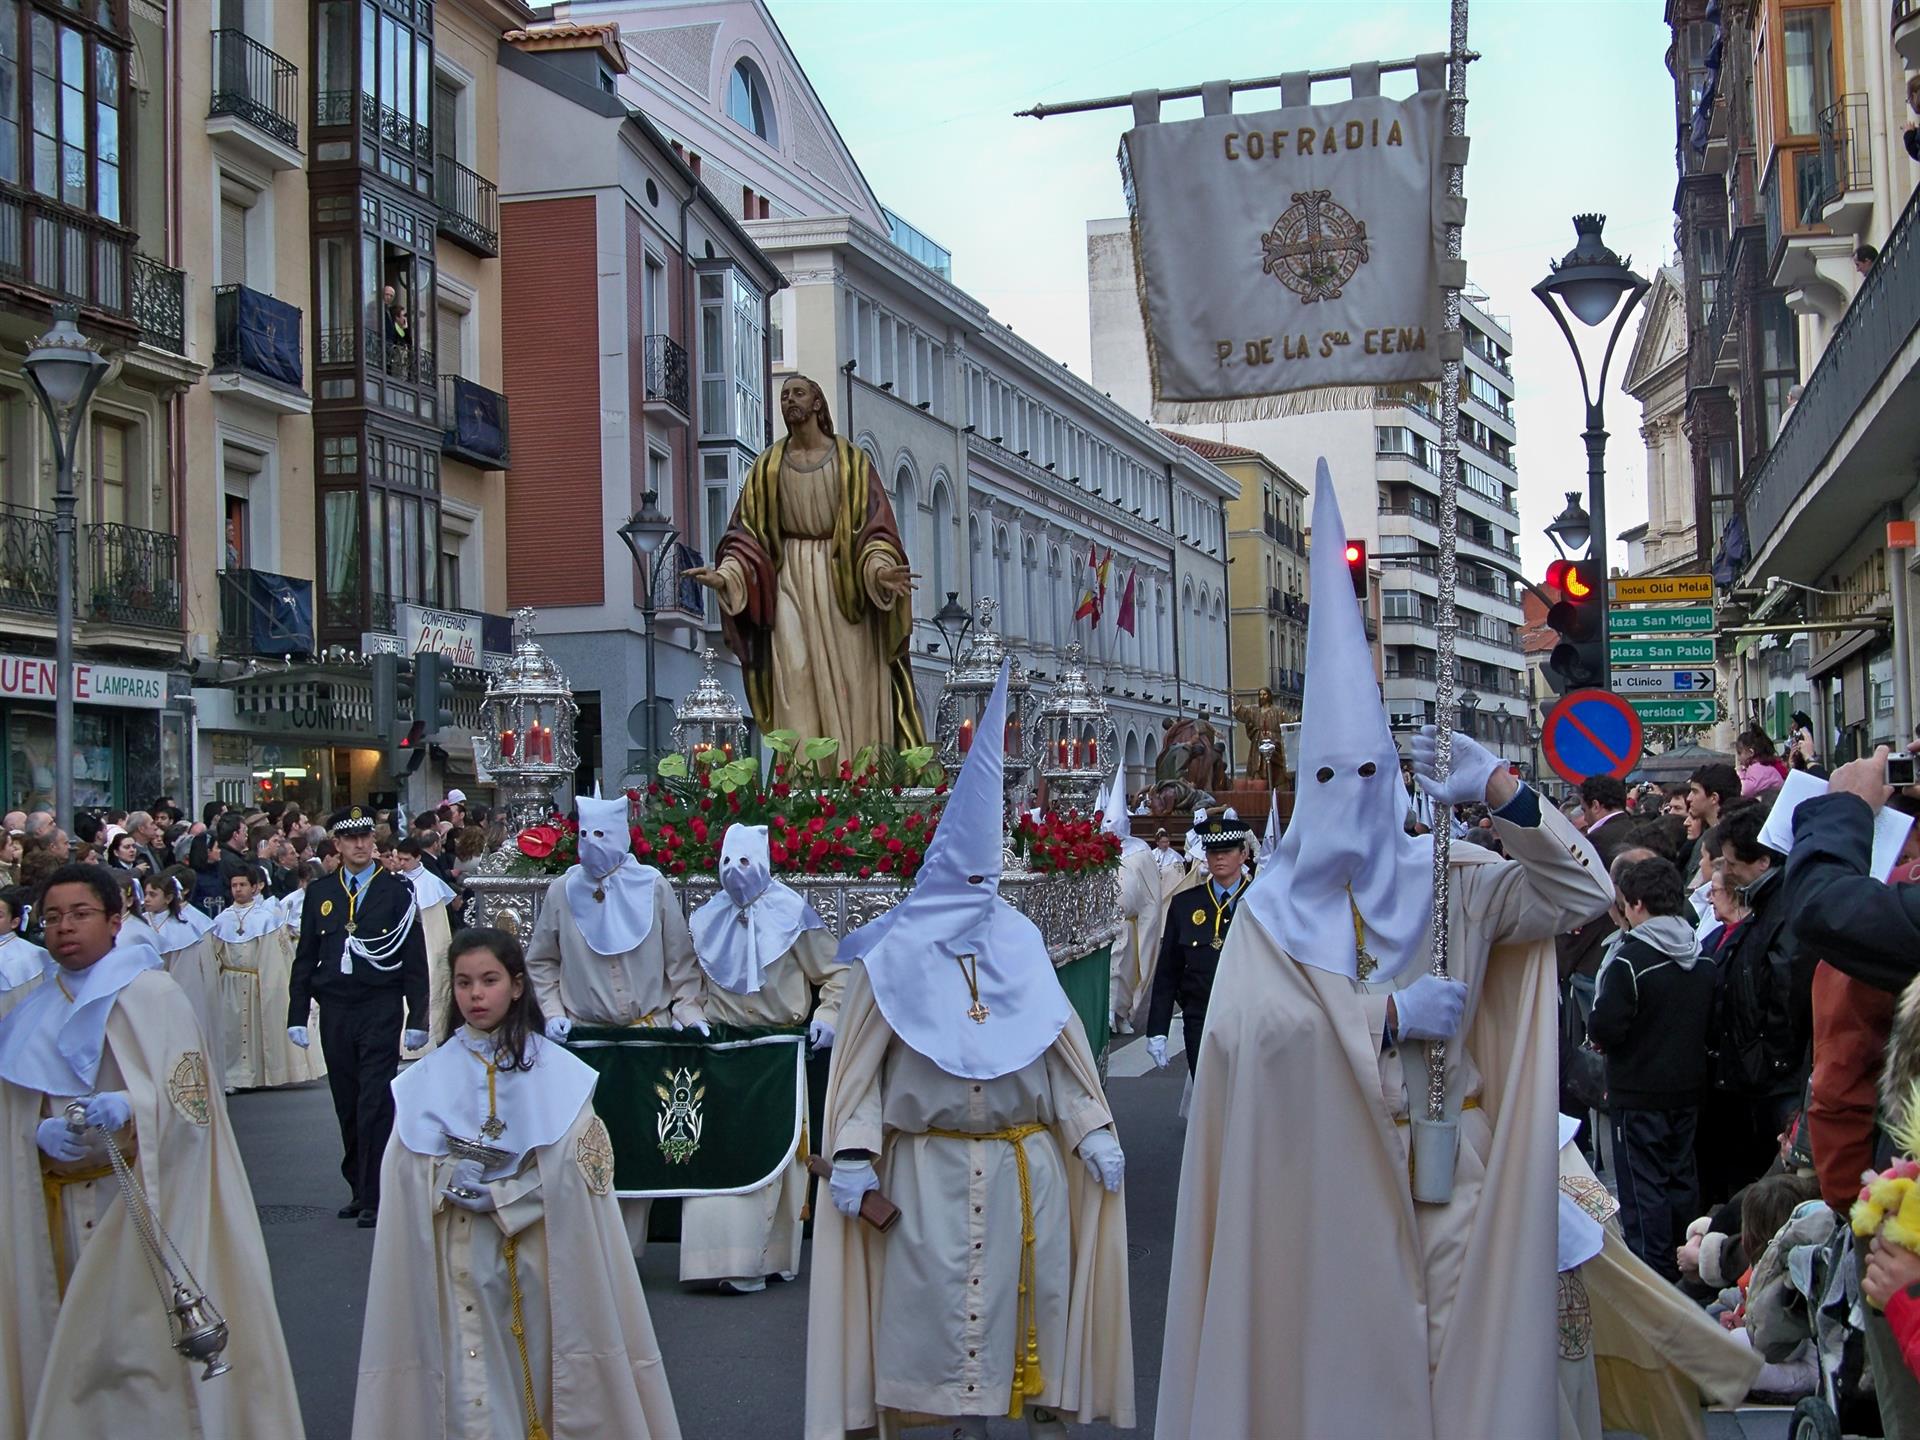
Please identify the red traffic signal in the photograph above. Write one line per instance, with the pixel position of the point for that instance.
(1356, 558)
(1574, 579)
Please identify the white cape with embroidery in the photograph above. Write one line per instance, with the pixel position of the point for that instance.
(594, 1362)
(102, 1362)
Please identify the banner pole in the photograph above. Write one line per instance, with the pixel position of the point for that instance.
(1447, 618)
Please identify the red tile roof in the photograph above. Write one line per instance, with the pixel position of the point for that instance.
(1211, 449)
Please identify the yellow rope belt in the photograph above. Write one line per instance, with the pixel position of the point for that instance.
(53, 1187)
(226, 969)
(647, 1020)
(511, 1250)
(1026, 1364)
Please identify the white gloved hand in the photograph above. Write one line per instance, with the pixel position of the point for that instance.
(298, 1035)
(1466, 782)
(700, 1025)
(851, 1179)
(58, 1142)
(559, 1028)
(466, 1176)
(413, 1039)
(109, 1110)
(1101, 1153)
(1429, 1009)
(1157, 1048)
(820, 1035)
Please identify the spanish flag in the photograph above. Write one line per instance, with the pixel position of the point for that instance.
(1093, 601)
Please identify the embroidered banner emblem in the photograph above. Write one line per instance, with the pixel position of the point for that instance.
(187, 1088)
(594, 1155)
(1314, 248)
(680, 1119)
(1576, 1317)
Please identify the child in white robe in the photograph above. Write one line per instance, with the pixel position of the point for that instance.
(21, 961)
(503, 1289)
(255, 953)
(183, 936)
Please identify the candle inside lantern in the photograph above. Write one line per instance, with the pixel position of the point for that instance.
(506, 744)
(966, 736)
(1093, 754)
(1060, 751)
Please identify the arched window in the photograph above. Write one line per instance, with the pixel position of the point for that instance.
(748, 103)
(906, 515)
(942, 539)
(1002, 586)
(975, 574)
(1030, 610)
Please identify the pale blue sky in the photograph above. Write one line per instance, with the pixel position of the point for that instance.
(1570, 110)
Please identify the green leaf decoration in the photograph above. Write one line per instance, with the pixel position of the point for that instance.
(781, 741)
(818, 748)
(916, 759)
(671, 767)
(709, 757)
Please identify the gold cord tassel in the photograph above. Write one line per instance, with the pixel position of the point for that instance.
(535, 1430)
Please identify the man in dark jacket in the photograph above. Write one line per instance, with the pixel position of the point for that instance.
(1870, 932)
(1198, 918)
(1650, 1014)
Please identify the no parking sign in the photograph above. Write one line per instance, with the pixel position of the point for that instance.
(1591, 732)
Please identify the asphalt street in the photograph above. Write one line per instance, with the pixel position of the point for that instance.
(736, 1362)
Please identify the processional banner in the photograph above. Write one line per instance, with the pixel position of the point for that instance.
(697, 1115)
(1290, 260)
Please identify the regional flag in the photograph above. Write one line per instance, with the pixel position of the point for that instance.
(1094, 598)
(1125, 619)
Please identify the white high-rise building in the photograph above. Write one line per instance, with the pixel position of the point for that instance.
(1385, 464)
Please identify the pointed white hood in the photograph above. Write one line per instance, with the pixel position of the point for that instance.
(1270, 841)
(753, 920)
(1347, 848)
(953, 936)
(610, 893)
(1113, 814)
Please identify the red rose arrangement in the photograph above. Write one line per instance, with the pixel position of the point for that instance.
(1065, 843)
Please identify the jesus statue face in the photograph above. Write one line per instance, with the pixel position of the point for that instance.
(801, 397)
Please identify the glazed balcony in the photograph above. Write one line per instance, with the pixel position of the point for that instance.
(52, 254)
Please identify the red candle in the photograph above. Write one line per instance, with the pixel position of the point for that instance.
(546, 743)
(506, 744)
(1093, 756)
(1061, 752)
(966, 736)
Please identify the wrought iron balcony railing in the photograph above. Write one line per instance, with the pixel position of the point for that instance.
(469, 206)
(26, 559)
(160, 304)
(474, 423)
(134, 577)
(253, 84)
(257, 335)
(666, 371)
(1846, 154)
(265, 614)
(62, 253)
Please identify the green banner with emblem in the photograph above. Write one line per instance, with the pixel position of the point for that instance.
(720, 1114)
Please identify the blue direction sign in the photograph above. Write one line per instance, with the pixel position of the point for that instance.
(1591, 732)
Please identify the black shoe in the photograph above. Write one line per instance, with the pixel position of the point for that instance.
(368, 1219)
(348, 1212)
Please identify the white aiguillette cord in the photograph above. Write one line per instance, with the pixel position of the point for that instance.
(387, 945)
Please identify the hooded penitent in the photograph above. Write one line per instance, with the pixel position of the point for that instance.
(1114, 818)
(960, 975)
(1346, 862)
(609, 892)
(753, 920)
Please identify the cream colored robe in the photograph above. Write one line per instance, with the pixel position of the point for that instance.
(1635, 1353)
(440, 1292)
(829, 677)
(437, 931)
(727, 1237)
(197, 968)
(896, 1320)
(659, 979)
(101, 1361)
(1138, 943)
(255, 979)
(1307, 1287)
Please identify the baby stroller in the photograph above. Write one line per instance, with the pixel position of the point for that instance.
(1843, 1405)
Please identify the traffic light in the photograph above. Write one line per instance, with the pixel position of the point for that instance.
(412, 749)
(1580, 658)
(406, 739)
(432, 691)
(1357, 566)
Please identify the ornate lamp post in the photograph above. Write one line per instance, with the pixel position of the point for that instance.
(64, 369)
(707, 717)
(953, 623)
(527, 745)
(964, 694)
(648, 534)
(1077, 738)
(1590, 281)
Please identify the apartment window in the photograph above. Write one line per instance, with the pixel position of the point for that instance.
(233, 242)
(1807, 58)
(1779, 362)
(396, 78)
(732, 358)
(450, 329)
(450, 577)
(716, 483)
(109, 479)
(71, 108)
(238, 552)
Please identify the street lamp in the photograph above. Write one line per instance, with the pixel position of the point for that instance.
(1572, 526)
(1469, 705)
(953, 623)
(1590, 280)
(648, 533)
(64, 369)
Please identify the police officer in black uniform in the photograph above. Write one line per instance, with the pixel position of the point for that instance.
(363, 958)
(1198, 917)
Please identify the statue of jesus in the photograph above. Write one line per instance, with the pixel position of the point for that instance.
(815, 592)
(1263, 720)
